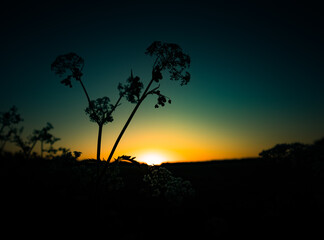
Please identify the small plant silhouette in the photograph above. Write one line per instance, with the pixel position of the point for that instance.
(100, 112)
(45, 137)
(42, 135)
(8, 122)
(70, 66)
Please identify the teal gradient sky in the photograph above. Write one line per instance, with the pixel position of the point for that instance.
(257, 73)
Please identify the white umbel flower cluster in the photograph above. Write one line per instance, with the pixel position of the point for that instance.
(163, 184)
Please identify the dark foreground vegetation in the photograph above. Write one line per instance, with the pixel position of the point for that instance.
(279, 194)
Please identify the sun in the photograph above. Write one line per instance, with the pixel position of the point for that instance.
(152, 158)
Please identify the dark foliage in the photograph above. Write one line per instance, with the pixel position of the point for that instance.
(295, 154)
(100, 111)
(132, 89)
(170, 57)
(234, 198)
(70, 64)
(9, 118)
(162, 99)
(8, 126)
(43, 136)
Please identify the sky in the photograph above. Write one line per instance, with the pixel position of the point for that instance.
(256, 74)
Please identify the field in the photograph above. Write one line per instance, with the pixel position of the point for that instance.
(247, 197)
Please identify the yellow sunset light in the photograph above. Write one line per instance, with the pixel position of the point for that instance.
(152, 158)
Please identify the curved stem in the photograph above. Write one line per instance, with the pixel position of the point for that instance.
(123, 131)
(116, 105)
(124, 128)
(99, 142)
(86, 93)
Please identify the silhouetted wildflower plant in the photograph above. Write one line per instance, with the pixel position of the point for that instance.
(132, 89)
(169, 57)
(100, 112)
(8, 126)
(70, 66)
(42, 135)
(11, 133)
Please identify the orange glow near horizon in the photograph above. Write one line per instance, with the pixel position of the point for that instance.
(173, 143)
(155, 148)
(176, 140)
(152, 158)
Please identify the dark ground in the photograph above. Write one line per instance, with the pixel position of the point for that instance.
(236, 198)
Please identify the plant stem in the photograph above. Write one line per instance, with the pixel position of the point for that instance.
(116, 105)
(30, 150)
(99, 142)
(128, 121)
(124, 129)
(86, 93)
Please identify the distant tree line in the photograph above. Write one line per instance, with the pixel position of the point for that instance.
(295, 154)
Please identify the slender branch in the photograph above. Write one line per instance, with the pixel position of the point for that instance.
(155, 61)
(31, 149)
(88, 98)
(99, 141)
(153, 90)
(146, 91)
(144, 95)
(86, 93)
(100, 124)
(123, 131)
(78, 78)
(116, 105)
